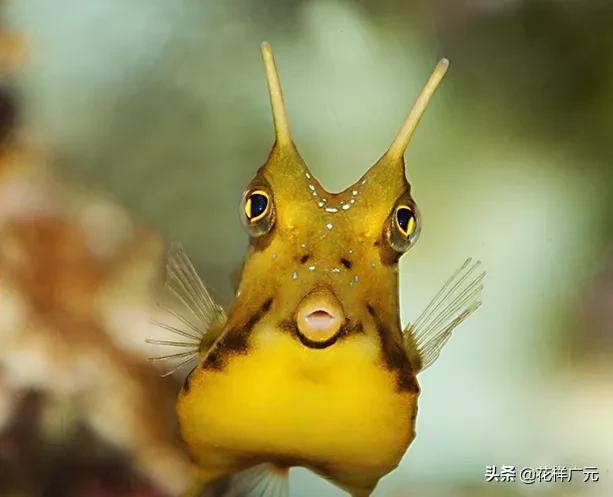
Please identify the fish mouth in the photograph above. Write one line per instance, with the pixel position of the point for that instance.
(319, 320)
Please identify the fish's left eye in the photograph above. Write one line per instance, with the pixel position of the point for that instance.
(403, 227)
(256, 205)
(405, 221)
(257, 211)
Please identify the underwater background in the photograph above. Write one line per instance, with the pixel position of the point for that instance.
(125, 125)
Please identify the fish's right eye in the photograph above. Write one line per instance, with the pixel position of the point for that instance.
(257, 211)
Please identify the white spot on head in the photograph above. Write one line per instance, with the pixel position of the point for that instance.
(346, 207)
(324, 199)
(295, 275)
(303, 245)
(311, 187)
(354, 192)
(311, 268)
(314, 194)
(351, 284)
(320, 203)
(307, 175)
(364, 181)
(329, 226)
(356, 278)
(274, 256)
(342, 202)
(351, 251)
(238, 294)
(331, 209)
(353, 201)
(373, 264)
(336, 270)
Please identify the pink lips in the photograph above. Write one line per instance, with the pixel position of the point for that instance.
(319, 316)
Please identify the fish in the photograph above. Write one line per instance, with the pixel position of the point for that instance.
(311, 366)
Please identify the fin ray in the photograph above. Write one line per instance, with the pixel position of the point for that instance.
(187, 275)
(457, 299)
(170, 343)
(263, 480)
(200, 319)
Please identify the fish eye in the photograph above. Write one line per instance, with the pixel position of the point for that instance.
(256, 205)
(257, 211)
(403, 229)
(405, 221)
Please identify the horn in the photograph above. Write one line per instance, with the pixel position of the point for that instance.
(279, 115)
(400, 143)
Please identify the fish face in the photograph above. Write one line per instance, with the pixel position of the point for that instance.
(324, 258)
(322, 266)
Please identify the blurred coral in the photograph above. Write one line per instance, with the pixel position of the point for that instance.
(58, 336)
(81, 412)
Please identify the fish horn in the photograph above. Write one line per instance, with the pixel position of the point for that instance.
(279, 114)
(396, 150)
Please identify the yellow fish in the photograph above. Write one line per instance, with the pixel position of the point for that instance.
(311, 366)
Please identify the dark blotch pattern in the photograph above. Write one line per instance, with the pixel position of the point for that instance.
(235, 341)
(394, 355)
(346, 262)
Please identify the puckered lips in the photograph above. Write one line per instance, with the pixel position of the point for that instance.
(319, 319)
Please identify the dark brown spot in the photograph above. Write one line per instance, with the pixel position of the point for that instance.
(265, 307)
(213, 360)
(346, 263)
(394, 355)
(376, 243)
(288, 325)
(304, 258)
(234, 341)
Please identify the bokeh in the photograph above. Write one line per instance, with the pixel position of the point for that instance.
(126, 125)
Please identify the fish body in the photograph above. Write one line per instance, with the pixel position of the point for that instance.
(311, 366)
(338, 411)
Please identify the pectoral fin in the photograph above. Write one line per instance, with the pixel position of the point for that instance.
(458, 298)
(191, 314)
(263, 480)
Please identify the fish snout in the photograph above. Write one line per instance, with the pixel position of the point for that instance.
(319, 319)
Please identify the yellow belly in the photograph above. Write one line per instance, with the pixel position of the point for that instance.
(332, 408)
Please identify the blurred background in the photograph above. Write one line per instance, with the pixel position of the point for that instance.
(124, 125)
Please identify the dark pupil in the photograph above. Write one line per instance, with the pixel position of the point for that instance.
(404, 216)
(258, 204)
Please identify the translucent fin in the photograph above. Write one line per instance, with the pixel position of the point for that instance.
(263, 480)
(458, 298)
(191, 315)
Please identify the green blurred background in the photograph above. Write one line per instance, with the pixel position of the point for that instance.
(161, 107)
